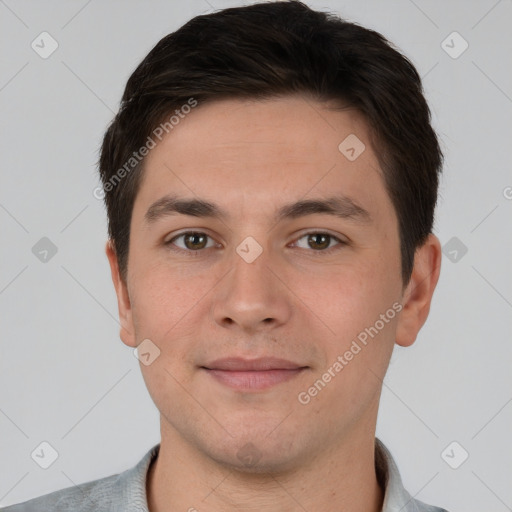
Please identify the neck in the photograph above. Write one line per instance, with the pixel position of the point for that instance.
(343, 479)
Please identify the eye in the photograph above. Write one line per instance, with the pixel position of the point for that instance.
(319, 241)
(192, 241)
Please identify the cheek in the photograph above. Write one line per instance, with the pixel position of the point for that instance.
(358, 352)
(162, 299)
(346, 298)
(350, 302)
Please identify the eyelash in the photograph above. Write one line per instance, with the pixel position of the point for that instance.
(197, 252)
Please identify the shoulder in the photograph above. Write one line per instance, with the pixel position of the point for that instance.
(124, 491)
(423, 507)
(89, 496)
(396, 497)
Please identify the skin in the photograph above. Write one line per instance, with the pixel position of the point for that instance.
(294, 302)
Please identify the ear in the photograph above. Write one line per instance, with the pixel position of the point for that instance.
(418, 293)
(127, 332)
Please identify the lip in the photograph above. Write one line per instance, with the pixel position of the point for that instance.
(252, 374)
(260, 364)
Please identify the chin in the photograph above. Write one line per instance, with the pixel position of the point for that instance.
(257, 453)
(250, 460)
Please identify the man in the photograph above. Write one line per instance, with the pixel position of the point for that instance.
(270, 184)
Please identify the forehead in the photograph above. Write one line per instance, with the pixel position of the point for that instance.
(231, 151)
(290, 127)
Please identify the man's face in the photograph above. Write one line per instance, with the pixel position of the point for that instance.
(318, 283)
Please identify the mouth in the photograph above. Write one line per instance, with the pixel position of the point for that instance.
(252, 374)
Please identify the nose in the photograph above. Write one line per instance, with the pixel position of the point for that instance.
(253, 296)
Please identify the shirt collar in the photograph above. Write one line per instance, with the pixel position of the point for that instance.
(129, 493)
(396, 498)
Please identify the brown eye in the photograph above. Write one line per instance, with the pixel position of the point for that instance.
(195, 240)
(319, 242)
(190, 241)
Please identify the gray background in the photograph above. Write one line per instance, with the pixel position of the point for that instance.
(65, 376)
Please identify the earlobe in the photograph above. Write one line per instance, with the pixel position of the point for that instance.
(419, 291)
(127, 332)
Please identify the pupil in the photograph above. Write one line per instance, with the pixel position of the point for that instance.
(324, 237)
(191, 240)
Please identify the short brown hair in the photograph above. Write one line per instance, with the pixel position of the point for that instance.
(268, 50)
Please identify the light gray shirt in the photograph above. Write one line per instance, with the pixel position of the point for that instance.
(126, 492)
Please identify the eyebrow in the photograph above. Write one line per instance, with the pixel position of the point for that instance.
(339, 206)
